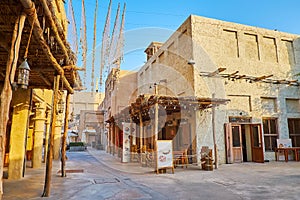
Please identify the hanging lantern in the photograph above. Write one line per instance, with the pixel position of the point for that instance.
(23, 74)
(60, 106)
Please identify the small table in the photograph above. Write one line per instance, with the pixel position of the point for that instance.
(286, 150)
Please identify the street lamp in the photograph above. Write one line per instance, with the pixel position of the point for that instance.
(23, 74)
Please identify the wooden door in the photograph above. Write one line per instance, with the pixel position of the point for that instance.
(256, 143)
(234, 151)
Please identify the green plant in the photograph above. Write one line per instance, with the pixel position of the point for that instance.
(77, 144)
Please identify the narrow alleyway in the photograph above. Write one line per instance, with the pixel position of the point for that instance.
(97, 175)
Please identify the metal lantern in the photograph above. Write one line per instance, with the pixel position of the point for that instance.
(23, 74)
(60, 106)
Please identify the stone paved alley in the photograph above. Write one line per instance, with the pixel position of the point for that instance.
(105, 177)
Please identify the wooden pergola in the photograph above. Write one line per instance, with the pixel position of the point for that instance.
(147, 107)
(35, 29)
(170, 104)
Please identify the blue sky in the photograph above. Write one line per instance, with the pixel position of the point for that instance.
(155, 20)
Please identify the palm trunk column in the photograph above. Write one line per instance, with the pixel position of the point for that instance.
(39, 131)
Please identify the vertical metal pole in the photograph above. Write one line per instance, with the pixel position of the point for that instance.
(156, 125)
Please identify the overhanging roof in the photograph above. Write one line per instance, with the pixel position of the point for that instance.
(49, 53)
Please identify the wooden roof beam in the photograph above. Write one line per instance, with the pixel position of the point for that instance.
(44, 79)
(38, 33)
(73, 67)
(3, 42)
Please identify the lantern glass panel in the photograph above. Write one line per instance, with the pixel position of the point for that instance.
(23, 78)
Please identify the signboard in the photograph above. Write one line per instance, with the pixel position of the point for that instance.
(164, 154)
(283, 143)
(126, 142)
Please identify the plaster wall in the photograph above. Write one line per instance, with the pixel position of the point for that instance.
(212, 44)
(253, 52)
(169, 67)
(85, 101)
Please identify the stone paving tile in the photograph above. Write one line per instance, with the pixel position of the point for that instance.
(105, 177)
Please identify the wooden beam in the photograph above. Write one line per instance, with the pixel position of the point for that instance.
(64, 138)
(219, 70)
(45, 79)
(262, 77)
(234, 73)
(4, 42)
(6, 94)
(54, 29)
(73, 67)
(240, 76)
(38, 33)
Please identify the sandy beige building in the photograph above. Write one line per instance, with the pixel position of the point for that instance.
(120, 92)
(255, 68)
(84, 122)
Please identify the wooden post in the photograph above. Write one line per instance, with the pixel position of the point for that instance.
(47, 185)
(214, 132)
(141, 134)
(6, 94)
(156, 126)
(108, 148)
(64, 138)
(48, 121)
